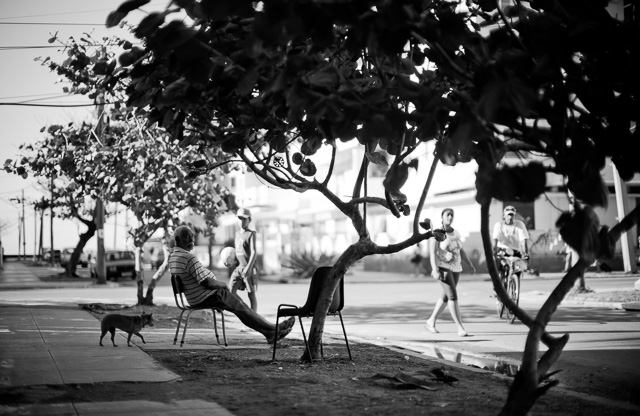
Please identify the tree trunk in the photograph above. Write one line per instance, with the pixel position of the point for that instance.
(137, 252)
(533, 378)
(72, 265)
(353, 253)
(148, 300)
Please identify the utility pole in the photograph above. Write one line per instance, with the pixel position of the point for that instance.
(19, 235)
(53, 257)
(24, 234)
(40, 247)
(101, 268)
(35, 231)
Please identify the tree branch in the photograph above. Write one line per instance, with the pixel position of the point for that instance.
(423, 197)
(331, 164)
(363, 169)
(369, 200)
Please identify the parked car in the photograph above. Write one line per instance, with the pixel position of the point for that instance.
(118, 264)
(46, 255)
(65, 256)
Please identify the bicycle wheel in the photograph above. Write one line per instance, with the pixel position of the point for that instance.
(514, 295)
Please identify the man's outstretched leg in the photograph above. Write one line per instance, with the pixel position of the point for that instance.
(228, 301)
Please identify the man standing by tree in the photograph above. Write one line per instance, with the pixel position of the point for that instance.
(244, 276)
(203, 289)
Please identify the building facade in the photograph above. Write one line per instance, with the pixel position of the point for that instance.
(288, 222)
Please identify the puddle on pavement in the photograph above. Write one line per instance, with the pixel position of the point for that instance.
(490, 364)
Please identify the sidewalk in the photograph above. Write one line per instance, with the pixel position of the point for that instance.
(57, 344)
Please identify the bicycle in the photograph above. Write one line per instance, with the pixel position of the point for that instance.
(511, 268)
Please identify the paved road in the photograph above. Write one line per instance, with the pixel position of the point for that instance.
(602, 354)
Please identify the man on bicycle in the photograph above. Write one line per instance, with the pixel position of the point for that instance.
(511, 235)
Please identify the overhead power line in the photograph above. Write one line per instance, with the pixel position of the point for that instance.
(50, 46)
(49, 105)
(56, 14)
(11, 48)
(52, 23)
(17, 48)
(151, 4)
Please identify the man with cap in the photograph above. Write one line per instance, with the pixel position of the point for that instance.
(201, 288)
(244, 276)
(511, 234)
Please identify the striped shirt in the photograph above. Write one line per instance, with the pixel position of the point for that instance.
(188, 268)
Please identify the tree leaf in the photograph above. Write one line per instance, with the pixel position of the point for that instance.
(579, 229)
(247, 82)
(311, 146)
(176, 90)
(131, 5)
(171, 36)
(114, 18)
(149, 24)
(519, 183)
(326, 79)
(377, 158)
(589, 187)
(308, 168)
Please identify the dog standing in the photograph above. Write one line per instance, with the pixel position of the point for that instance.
(129, 324)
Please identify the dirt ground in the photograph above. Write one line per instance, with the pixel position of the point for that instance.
(247, 382)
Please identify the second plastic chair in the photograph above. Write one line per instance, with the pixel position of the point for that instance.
(308, 309)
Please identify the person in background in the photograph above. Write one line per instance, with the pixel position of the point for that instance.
(446, 264)
(245, 276)
(202, 289)
(417, 261)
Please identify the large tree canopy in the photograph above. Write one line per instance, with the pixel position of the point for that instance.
(272, 82)
(144, 170)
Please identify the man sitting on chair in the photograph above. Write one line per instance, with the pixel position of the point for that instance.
(201, 288)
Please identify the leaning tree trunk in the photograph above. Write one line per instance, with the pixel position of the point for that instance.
(72, 265)
(353, 253)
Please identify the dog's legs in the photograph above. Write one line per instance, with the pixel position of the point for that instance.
(140, 335)
(104, 332)
(129, 339)
(113, 335)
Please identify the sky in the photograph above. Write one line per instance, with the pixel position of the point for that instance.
(25, 28)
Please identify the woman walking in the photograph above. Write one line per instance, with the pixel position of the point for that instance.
(446, 264)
